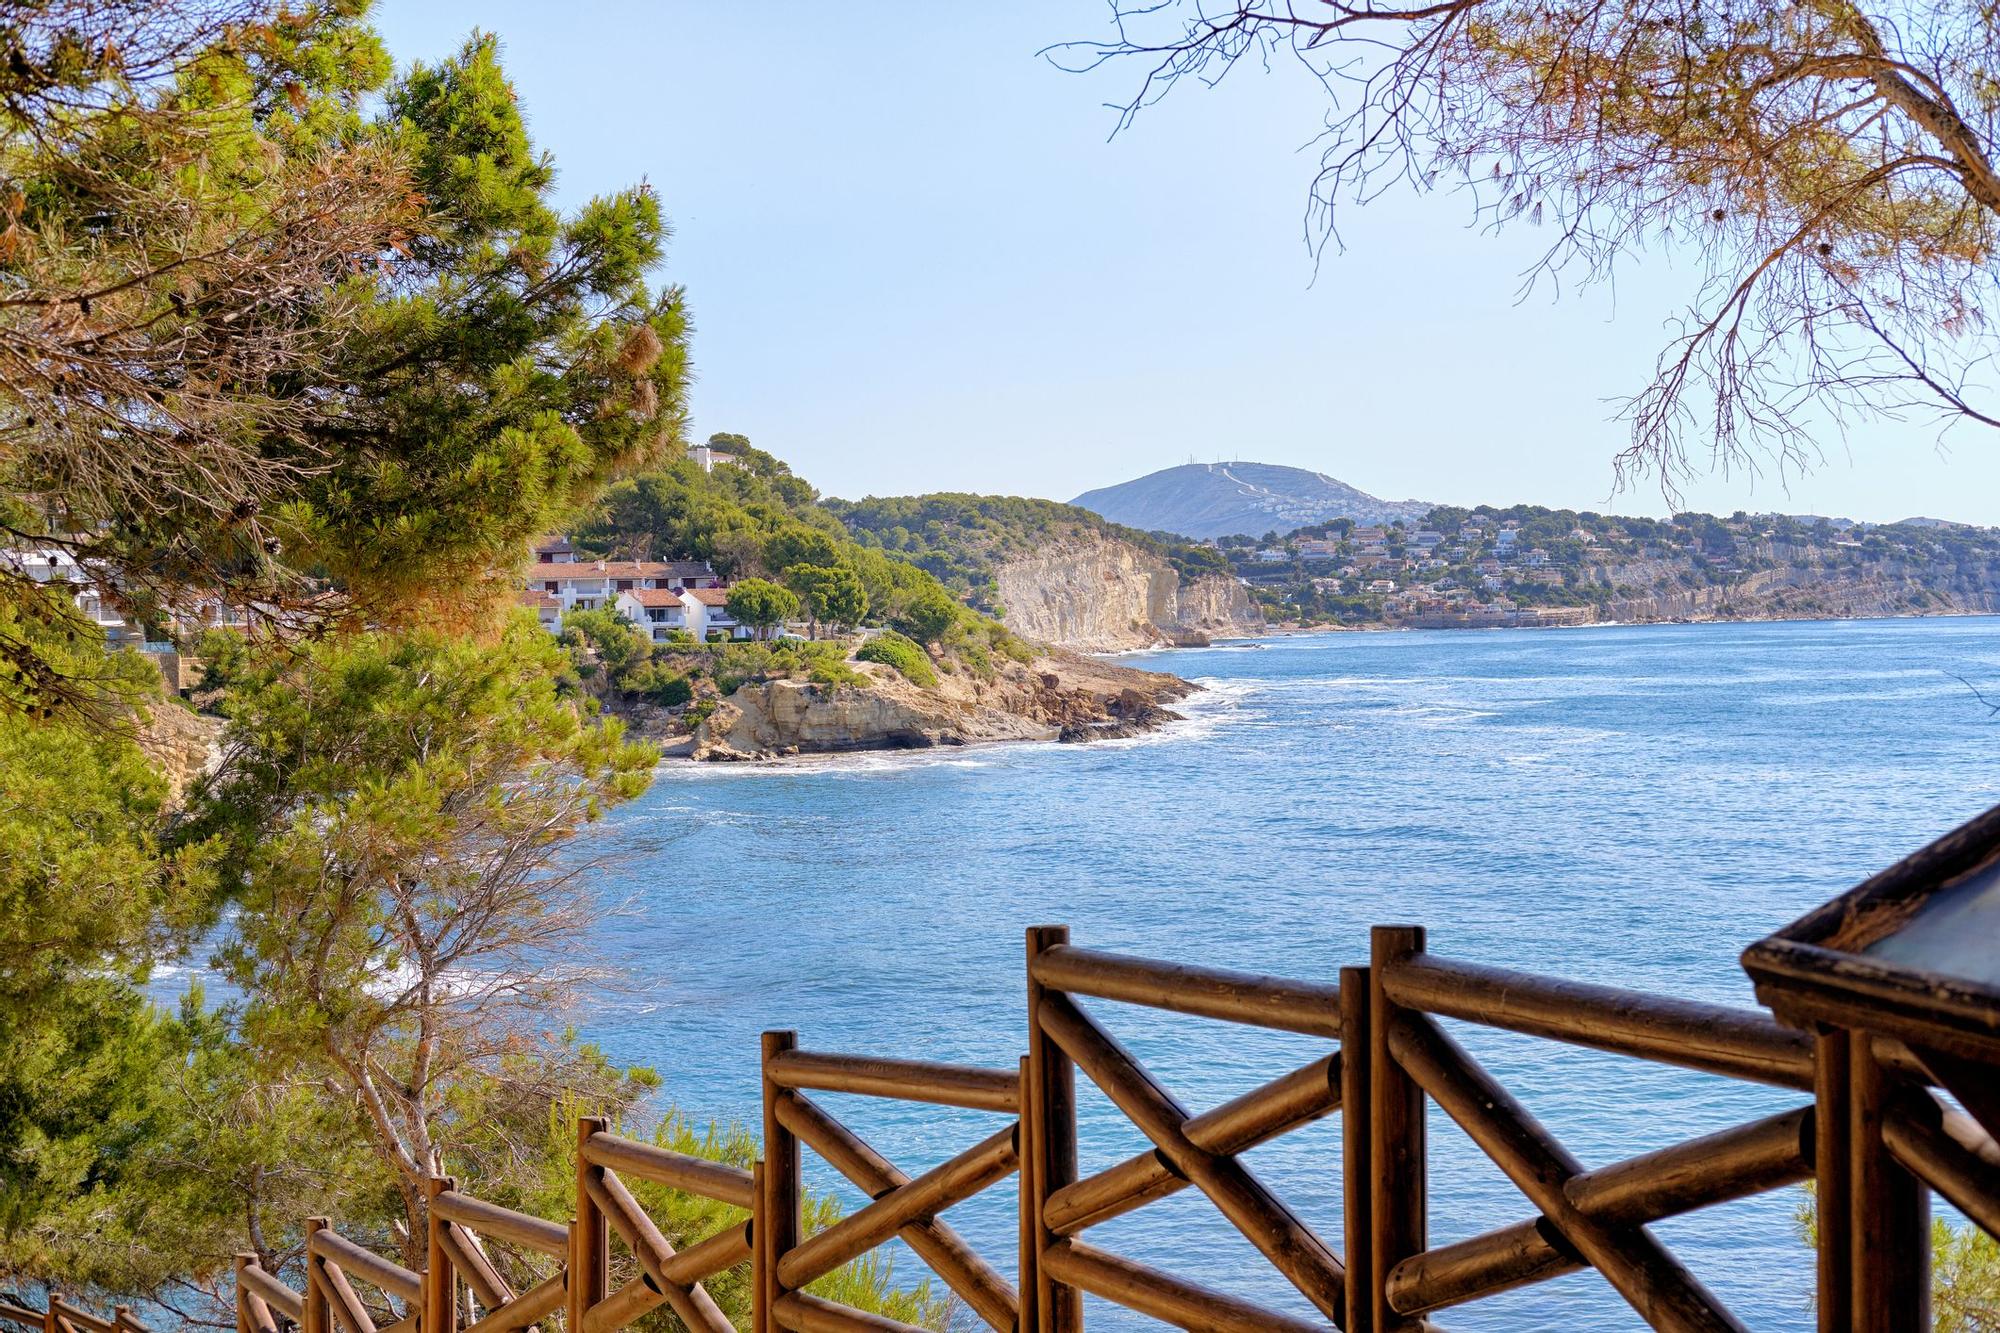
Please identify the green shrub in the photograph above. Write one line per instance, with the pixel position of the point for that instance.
(672, 691)
(893, 650)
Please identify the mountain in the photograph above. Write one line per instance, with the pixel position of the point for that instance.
(1204, 500)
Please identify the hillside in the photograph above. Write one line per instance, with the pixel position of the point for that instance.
(1058, 574)
(1527, 565)
(1208, 500)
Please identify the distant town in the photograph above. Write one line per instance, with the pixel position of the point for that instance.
(1528, 566)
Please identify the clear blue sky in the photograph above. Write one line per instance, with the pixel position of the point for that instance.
(916, 264)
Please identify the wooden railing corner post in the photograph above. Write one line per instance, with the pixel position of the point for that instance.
(1049, 1114)
(1833, 1182)
(1890, 1227)
(51, 1321)
(760, 1261)
(243, 1261)
(1396, 1150)
(779, 1198)
(589, 1233)
(314, 1315)
(1028, 1281)
(440, 1295)
(1356, 1168)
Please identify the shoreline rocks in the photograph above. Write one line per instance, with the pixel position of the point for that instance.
(1058, 697)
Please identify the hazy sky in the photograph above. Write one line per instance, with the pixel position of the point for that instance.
(916, 263)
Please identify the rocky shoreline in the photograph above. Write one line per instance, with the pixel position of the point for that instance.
(1059, 696)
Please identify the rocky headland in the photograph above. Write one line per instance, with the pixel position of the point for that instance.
(1059, 696)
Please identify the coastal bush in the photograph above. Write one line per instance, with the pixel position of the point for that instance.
(929, 616)
(905, 655)
(762, 605)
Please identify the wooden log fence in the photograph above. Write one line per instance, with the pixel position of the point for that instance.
(1878, 1128)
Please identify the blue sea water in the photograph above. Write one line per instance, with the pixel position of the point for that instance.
(1630, 806)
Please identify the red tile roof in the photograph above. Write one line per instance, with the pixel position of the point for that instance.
(710, 596)
(541, 601)
(653, 596)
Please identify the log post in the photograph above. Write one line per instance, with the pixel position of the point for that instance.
(1050, 1112)
(243, 1261)
(589, 1233)
(440, 1295)
(1356, 1171)
(1891, 1230)
(313, 1317)
(1833, 1192)
(1029, 1317)
(760, 1262)
(778, 1203)
(51, 1321)
(1395, 1132)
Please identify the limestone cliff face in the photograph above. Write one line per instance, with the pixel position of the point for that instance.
(1110, 596)
(1216, 605)
(182, 745)
(1653, 590)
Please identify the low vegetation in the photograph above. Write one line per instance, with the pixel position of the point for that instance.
(905, 655)
(962, 539)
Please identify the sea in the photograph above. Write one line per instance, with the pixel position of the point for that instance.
(1623, 805)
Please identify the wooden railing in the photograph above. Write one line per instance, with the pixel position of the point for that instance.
(63, 1316)
(1868, 1129)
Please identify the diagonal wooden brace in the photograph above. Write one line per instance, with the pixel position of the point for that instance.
(977, 1283)
(1288, 1243)
(986, 1162)
(1642, 1270)
(1258, 1116)
(695, 1307)
(1730, 1164)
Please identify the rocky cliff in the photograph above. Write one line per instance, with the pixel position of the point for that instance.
(1058, 697)
(1107, 596)
(1797, 586)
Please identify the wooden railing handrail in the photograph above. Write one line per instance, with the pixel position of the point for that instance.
(82, 1318)
(267, 1287)
(1737, 1043)
(1203, 992)
(904, 1080)
(696, 1175)
(493, 1220)
(366, 1264)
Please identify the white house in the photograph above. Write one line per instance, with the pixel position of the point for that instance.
(589, 585)
(706, 457)
(55, 565)
(661, 611)
(712, 604)
(548, 610)
(554, 551)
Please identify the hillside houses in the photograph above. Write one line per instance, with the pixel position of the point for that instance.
(699, 612)
(659, 596)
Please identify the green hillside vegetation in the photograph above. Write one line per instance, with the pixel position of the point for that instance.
(960, 539)
(761, 525)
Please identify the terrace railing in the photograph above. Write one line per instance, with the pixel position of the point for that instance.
(1869, 1129)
